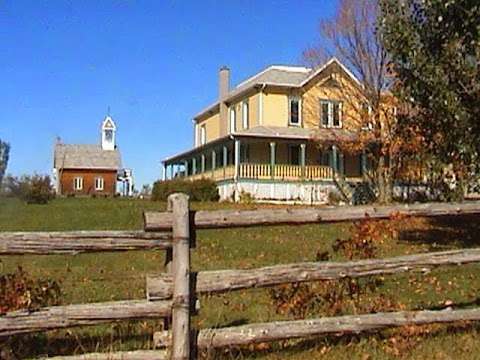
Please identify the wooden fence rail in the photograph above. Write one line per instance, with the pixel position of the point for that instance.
(59, 317)
(160, 286)
(282, 330)
(157, 221)
(74, 242)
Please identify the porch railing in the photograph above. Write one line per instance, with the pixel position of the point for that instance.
(264, 172)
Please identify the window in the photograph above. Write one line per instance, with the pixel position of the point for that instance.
(78, 183)
(108, 135)
(203, 135)
(233, 119)
(99, 183)
(294, 111)
(245, 114)
(294, 154)
(366, 116)
(330, 113)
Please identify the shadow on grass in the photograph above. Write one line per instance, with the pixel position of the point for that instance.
(446, 232)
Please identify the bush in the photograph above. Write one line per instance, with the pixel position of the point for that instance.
(198, 190)
(36, 189)
(363, 194)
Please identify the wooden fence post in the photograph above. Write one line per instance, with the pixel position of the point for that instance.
(181, 277)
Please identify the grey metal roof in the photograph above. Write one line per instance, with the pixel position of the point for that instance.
(68, 156)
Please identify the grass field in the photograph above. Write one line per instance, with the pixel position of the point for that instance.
(118, 276)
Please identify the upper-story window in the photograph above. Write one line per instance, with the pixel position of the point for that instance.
(245, 114)
(78, 183)
(233, 119)
(203, 135)
(330, 113)
(99, 183)
(366, 116)
(294, 110)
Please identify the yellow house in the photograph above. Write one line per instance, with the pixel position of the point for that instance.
(274, 135)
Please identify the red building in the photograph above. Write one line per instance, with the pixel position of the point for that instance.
(88, 169)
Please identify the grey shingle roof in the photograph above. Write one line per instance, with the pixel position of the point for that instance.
(68, 156)
(273, 75)
(298, 133)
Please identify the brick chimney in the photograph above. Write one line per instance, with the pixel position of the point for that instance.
(223, 90)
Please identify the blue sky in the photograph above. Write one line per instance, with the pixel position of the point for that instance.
(155, 63)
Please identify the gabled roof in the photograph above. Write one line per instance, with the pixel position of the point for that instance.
(281, 76)
(68, 156)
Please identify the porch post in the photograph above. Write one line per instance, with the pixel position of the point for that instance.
(164, 175)
(203, 163)
(363, 160)
(185, 165)
(225, 160)
(272, 159)
(214, 160)
(171, 171)
(341, 164)
(237, 158)
(302, 158)
(334, 159)
(194, 166)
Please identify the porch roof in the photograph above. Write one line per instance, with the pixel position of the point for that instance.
(274, 132)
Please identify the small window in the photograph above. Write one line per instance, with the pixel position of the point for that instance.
(78, 183)
(294, 111)
(245, 114)
(330, 113)
(99, 183)
(233, 119)
(203, 135)
(366, 113)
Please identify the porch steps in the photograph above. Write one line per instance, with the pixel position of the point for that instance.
(345, 189)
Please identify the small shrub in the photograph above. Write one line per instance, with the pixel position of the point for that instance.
(35, 189)
(334, 197)
(19, 291)
(198, 190)
(363, 194)
(246, 197)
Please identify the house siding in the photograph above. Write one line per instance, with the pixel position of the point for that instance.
(67, 177)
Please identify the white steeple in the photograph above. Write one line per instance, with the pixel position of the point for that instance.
(108, 133)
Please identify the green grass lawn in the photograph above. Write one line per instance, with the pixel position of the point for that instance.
(118, 276)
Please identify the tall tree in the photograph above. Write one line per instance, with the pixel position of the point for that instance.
(434, 47)
(4, 155)
(351, 36)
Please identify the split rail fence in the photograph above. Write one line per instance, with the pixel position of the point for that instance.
(172, 295)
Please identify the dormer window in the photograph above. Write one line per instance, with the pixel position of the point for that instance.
(233, 119)
(294, 111)
(331, 114)
(245, 114)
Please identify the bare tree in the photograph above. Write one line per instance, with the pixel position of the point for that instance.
(369, 107)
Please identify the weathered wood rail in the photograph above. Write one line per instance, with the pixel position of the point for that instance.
(74, 242)
(171, 295)
(59, 317)
(160, 286)
(157, 221)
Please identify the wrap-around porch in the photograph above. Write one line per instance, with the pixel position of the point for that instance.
(239, 158)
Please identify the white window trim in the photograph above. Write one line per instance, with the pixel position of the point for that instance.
(369, 124)
(203, 134)
(245, 114)
(196, 130)
(299, 99)
(78, 181)
(232, 119)
(99, 183)
(330, 114)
